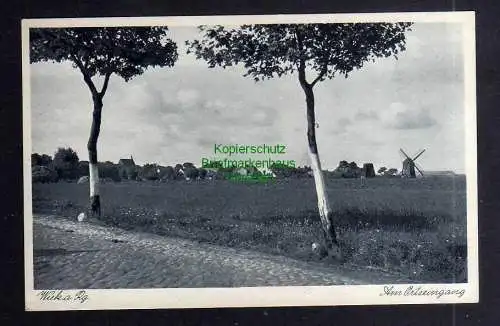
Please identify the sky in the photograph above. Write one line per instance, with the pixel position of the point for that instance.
(175, 115)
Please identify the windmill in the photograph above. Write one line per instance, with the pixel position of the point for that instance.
(409, 164)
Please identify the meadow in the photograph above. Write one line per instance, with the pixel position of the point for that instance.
(412, 227)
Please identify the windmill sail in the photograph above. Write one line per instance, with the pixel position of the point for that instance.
(418, 155)
(419, 169)
(409, 165)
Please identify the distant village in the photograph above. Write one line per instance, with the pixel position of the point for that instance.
(65, 165)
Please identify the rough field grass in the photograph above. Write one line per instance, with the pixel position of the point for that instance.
(411, 227)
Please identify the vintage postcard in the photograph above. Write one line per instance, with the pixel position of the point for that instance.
(250, 161)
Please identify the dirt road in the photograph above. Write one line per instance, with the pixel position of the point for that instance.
(69, 255)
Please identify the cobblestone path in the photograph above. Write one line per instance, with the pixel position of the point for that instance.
(71, 255)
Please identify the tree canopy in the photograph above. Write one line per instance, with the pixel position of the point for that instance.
(66, 155)
(382, 170)
(124, 51)
(267, 51)
(43, 160)
(391, 171)
(66, 163)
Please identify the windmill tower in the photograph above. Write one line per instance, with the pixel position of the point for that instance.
(409, 165)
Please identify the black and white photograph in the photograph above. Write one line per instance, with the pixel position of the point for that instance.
(246, 161)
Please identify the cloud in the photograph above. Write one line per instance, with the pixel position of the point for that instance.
(176, 114)
(366, 115)
(341, 126)
(401, 116)
(187, 97)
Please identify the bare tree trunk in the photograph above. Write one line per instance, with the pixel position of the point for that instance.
(95, 201)
(325, 212)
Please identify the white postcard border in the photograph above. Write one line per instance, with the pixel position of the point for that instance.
(259, 296)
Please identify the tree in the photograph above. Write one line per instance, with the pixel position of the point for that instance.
(191, 172)
(167, 173)
(46, 160)
(304, 172)
(353, 171)
(124, 51)
(40, 160)
(132, 173)
(202, 173)
(346, 170)
(391, 172)
(178, 167)
(150, 171)
(41, 173)
(109, 170)
(36, 159)
(382, 170)
(353, 165)
(343, 164)
(326, 50)
(282, 170)
(83, 169)
(66, 163)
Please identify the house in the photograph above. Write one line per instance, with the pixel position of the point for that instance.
(241, 171)
(127, 168)
(267, 172)
(212, 173)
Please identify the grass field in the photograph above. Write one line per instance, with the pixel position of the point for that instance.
(413, 227)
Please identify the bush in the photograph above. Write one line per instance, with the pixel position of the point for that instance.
(83, 169)
(129, 172)
(167, 173)
(191, 172)
(40, 160)
(108, 170)
(43, 174)
(202, 173)
(150, 172)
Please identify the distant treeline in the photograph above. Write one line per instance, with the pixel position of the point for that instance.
(352, 170)
(65, 165)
